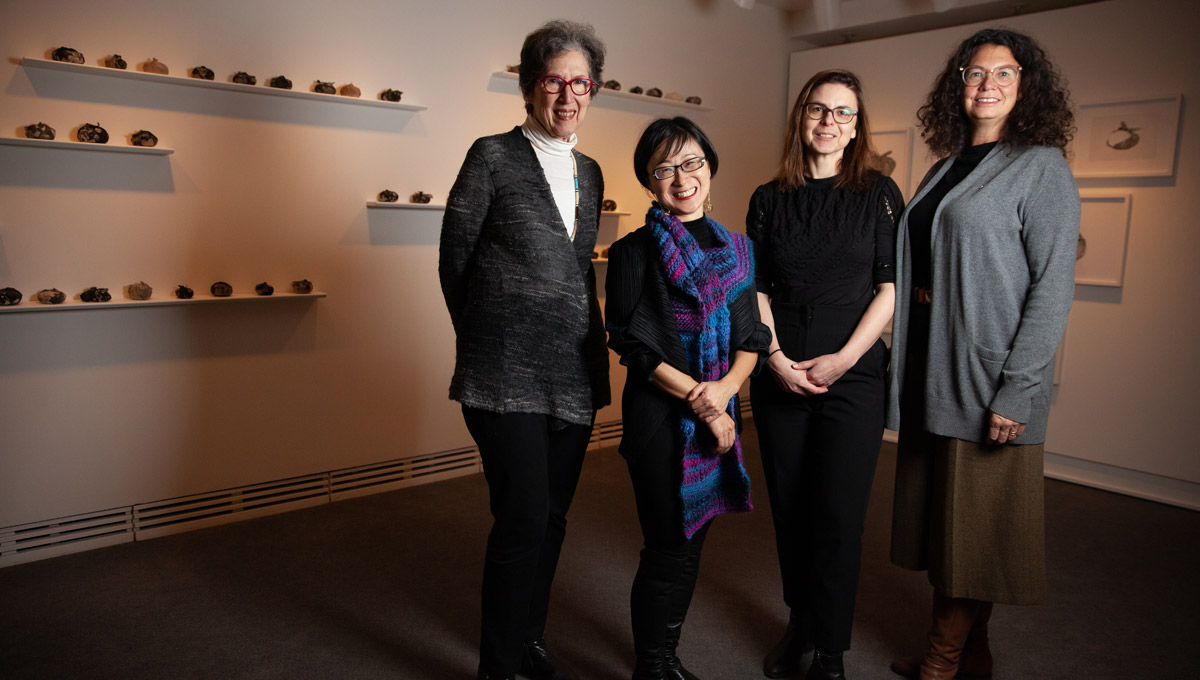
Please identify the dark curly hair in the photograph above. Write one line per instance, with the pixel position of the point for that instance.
(670, 134)
(552, 39)
(858, 158)
(1042, 115)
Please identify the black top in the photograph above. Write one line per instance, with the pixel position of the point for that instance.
(920, 216)
(821, 245)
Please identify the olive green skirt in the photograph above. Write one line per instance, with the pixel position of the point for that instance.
(973, 515)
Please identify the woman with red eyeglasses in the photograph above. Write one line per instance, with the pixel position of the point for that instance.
(531, 366)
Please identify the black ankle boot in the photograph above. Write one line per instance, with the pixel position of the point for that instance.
(672, 668)
(538, 664)
(826, 666)
(785, 658)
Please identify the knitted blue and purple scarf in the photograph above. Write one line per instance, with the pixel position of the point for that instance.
(702, 284)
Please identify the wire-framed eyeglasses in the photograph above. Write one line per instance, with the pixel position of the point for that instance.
(554, 85)
(841, 114)
(668, 171)
(1003, 76)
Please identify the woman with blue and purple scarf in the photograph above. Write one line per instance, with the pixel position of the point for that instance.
(682, 314)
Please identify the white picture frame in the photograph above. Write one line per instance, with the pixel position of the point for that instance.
(1103, 239)
(1126, 139)
(895, 146)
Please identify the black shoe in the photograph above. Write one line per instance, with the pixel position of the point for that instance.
(538, 664)
(826, 666)
(784, 659)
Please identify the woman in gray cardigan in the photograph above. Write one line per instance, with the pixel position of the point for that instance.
(985, 279)
(531, 366)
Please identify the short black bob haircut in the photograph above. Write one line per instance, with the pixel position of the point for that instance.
(673, 133)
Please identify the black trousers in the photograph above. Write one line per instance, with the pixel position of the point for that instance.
(819, 455)
(666, 576)
(532, 464)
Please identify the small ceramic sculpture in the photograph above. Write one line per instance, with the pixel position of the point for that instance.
(388, 196)
(183, 292)
(513, 68)
(93, 134)
(155, 66)
(349, 90)
(612, 85)
(39, 131)
(390, 95)
(50, 296)
(654, 92)
(693, 100)
(203, 73)
(420, 197)
(95, 294)
(9, 297)
(636, 89)
(264, 288)
(673, 96)
(144, 138)
(608, 205)
(322, 87)
(139, 291)
(68, 55)
(115, 61)
(281, 83)
(221, 289)
(244, 78)
(302, 287)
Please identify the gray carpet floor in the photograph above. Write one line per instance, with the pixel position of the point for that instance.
(387, 587)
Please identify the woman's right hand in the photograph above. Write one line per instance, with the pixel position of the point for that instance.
(724, 430)
(790, 378)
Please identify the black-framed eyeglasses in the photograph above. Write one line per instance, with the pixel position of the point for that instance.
(690, 165)
(1001, 75)
(841, 114)
(554, 85)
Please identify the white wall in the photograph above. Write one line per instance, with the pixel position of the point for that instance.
(1129, 393)
(105, 408)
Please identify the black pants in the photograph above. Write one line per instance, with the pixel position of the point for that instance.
(532, 464)
(666, 576)
(819, 455)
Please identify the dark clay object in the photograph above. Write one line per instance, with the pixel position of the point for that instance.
(10, 296)
(95, 294)
(203, 73)
(612, 85)
(390, 95)
(654, 92)
(281, 83)
(388, 196)
(322, 87)
(303, 286)
(183, 292)
(221, 289)
(51, 296)
(636, 89)
(693, 100)
(244, 78)
(68, 55)
(144, 138)
(264, 288)
(115, 61)
(39, 131)
(420, 197)
(92, 133)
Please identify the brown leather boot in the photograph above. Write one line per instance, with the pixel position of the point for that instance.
(952, 621)
(976, 661)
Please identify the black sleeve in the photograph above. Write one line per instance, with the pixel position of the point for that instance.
(462, 223)
(890, 205)
(756, 229)
(624, 287)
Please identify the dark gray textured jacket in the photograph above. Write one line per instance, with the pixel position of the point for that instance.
(521, 294)
(1003, 259)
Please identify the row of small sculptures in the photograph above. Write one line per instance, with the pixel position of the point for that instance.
(389, 196)
(140, 291)
(636, 89)
(72, 56)
(92, 134)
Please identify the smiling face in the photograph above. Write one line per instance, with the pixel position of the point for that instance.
(827, 138)
(987, 105)
(684, 194)
(561, 113)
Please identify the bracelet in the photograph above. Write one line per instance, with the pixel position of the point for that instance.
(778, 349)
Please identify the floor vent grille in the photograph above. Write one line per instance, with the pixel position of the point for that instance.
(397, 474)
(605, 434)
(65, 535)
(219, 507)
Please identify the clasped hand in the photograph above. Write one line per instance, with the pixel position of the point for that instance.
(808, 377)
(709, 401)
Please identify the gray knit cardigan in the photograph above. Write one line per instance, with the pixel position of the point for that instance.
(521, 294)
(1003, 259)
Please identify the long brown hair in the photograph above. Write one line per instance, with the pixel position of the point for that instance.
(858, 158)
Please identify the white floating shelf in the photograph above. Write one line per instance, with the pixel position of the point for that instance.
(620, 94)
(212, 84)
(614, 213)
(87, 146)
(77, 305)
(406, 206)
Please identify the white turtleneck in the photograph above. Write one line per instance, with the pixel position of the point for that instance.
(559, 167)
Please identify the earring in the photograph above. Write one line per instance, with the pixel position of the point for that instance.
(708, 203)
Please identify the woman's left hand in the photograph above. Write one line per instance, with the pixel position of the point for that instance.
(724, 430)
(824, 370)
(1001, 430)
(710, 399)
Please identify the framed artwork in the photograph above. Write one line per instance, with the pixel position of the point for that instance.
(895, 155)
(1103, 236)
(1126, 139)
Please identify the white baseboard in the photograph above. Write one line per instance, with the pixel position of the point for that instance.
(1121, 480)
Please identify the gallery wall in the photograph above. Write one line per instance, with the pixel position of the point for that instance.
(110, 407)
(1123, 415)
